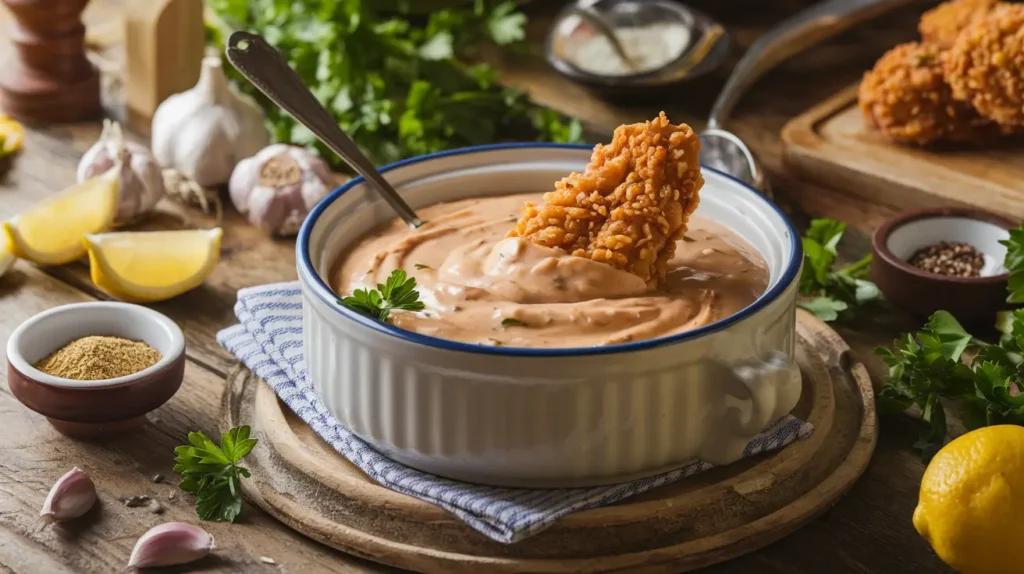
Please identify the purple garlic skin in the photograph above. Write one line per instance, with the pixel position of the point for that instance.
(169, 544)
(70, 497)
(277, 187)
(140, 180)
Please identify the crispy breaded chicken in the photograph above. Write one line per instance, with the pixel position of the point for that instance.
(985, 66)
(941, 25)
(907, 99)
(630, 205)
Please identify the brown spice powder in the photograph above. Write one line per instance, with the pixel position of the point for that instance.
(95, 358)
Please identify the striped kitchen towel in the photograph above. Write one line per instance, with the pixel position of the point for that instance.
(268, 340)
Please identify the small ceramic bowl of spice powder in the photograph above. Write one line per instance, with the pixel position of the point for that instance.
(95, 368)
(943, 259)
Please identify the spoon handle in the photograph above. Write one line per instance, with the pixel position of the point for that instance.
(267, 69)
(792, 36)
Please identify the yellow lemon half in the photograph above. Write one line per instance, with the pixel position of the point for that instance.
(51, 232)
(148, 266)
(971, 505)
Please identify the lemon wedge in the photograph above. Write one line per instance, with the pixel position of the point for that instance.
(7, 257)
(146, 266)
(51, 232)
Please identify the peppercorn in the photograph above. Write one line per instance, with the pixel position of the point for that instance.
(949, 258)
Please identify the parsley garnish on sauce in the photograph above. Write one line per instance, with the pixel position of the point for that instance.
(398, 292)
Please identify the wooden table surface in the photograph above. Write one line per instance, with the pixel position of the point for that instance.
(869, 530)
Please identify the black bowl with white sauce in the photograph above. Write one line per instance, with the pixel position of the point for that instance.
(667, 42)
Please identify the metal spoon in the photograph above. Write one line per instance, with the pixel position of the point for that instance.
(724, 150)
(264, 66)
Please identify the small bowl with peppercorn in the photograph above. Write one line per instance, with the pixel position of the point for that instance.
(94, 369)
(943, 259)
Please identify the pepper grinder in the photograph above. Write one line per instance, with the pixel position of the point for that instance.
(49, 79)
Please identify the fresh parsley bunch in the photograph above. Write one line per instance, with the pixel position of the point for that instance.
(829, 294)
(943, 361)
(398, 292)
(398, 84)
(922, 369)
(212, 473)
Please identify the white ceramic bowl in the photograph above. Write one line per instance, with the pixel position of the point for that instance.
(547, 417)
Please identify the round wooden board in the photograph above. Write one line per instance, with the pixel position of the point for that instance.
(696, 522)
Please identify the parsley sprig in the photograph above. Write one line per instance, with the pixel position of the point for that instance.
(212, 473)
(829, 294)
(398, 292)
(944, 361)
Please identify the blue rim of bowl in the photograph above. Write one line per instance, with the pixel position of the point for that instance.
(322, 289)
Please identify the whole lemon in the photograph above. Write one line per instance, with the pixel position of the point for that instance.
(971, 506)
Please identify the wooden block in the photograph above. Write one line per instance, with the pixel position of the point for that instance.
(48, 79)
(164, 42)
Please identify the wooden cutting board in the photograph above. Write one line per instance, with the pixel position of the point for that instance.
(832, 144)
(696, 522)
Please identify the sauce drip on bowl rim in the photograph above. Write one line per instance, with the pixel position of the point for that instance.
(482, 288)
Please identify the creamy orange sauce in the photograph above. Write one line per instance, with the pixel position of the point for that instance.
(481, 287)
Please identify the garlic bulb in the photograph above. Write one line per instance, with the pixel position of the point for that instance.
(204, 132)
(141, 180)
(278, 186)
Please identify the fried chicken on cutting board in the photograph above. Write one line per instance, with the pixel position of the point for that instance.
(906, 97)
(941, 25)
(963, 83)
(630, 205)
(985, 65)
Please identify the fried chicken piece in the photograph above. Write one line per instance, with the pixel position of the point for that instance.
(941, 25)
(630, 205)
(985, 66)
(907, 99)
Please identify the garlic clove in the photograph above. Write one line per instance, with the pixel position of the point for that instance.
(169, 544)
(70, 497)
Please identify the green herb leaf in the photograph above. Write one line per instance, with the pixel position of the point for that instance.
(506, 25)
(510, 322)
(952, 337)
(422, 266)
(832, 295)
(397, 292)
(1014, 263)
(212, 473)
(824, 308)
